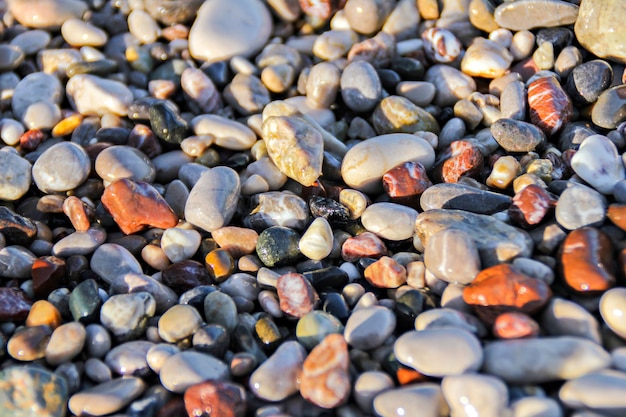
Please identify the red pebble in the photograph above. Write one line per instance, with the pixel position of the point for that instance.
(549, 105)
(461, 158)
(406, 180)
(385, 273)
(78, 213)
(321, 9)
(14, 304)
(587, 262)
(365, 245)
(47, 273)
(136, 205)
(530, 206)
(216, 399)
(31, 139)
(296, 295)
(503, 288)
(325, 380)
(515, 325)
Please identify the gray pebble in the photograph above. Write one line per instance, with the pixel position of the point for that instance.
(50, 176)
(80, 243)
(579, 206)
(184, 369)
(16, 174)
(360, 86)
(126, 315)
(97, 341)
(129, 358)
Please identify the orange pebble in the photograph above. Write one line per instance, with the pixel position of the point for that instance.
(44, 313)
(221, 262)
(514, 325)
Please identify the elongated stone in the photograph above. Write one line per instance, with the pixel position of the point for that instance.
(277, 377)
(106, 398)
(530, 14)
(442, 254)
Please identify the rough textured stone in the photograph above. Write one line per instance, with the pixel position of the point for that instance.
(600, 30)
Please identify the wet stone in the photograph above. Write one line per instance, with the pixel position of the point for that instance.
(515, 325)
(45, 313)
(531, 14)
(129, 358)
(442, 254)
(461, 158)
(483, 394)
(27, 388)
(364, 245)
(563, 317)
(85, 302)
(126, 315)
(314, 326)
(463, 197)
(530, 206)
(111, 260)
(29, 343)
(16, 262)
(166, 123)
(296, 295)
(385, 273)
(79, 243)
(408, 179)
(427, 397)
(15, 228)
(106, 398)
(549, 106)
(396, 114)
(597, 391)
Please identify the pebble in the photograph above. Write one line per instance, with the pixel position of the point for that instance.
(611, 310)
(486, 58)
(218, 398)
(180, 244)
(95, 96)
(126, 315)
(596, 391)
(28, 388)
(111, 260)
(362, 168)
(29, 343)
(334, 44)
(385, 273)
(187, 368)
(360, 86)
(588, 80)
(211, 206)
(608, 111)
(79, 33)
(278, 246)
(369, 327)
(48, 89)
(219, 308)
(296, 295)
(549, 106)
(420, 93)
(496, 241)
(598, 163)
(364, 245)
(278, 377)
(563, 317)
(444, 249)
(597, 31)
(425, 351)
(51, 13)
(580, 206)
(469, 395)
(544, 359)
(178, 323)
(530, 14)
(106, 398)
(441, 45)
(530, 206)
(117, 162)
(451, 84)
(51, 177)
(16, 262)
(65, 343)
(516, 135)
(395, 114)
(426, 397)
(43, 313)
(316, 242)
(97, 341)
(129, 358)
(463, 197)
(514, 325)
(389, 221)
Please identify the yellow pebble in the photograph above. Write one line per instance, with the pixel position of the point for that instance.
(541, 168)
(66, 126)
(44, 313)
(221, 263)
(505, 170)
(525, 180)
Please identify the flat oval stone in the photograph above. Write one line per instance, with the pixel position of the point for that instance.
(106, 398)
(545, 359)
(580, 206)
(611, 309)
(65, 343)
(219, 308)
(365, 164)
(46, 14)
(600, 30)
(425, 351)
(530, 14)
(27, 388)
(389, 221)
(360, 86)
(35, 87)
(121, 161)
(277, 377)
(228, 134)
(179, 322)
(126, 315)
(368, 328)
(129, 358)
(599, 391)
(496, 241)
(95, 96)
(16, 176)
(452, 256)
(111, 260)
(50, 176)
(451, 84)
(463, 197)
(516, 135)
(182, 370)
(29, 343)
(213, 200)
(588, 80)
(483, 395)
(79, 33)
(213, 37)
(425, 397)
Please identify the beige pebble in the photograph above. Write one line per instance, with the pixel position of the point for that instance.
(143, 26)
(77, 32)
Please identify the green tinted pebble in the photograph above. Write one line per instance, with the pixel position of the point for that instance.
(267, 331)
(99, 67)
(219, 308)
(85, 301)
(315, 326)
(278, 246)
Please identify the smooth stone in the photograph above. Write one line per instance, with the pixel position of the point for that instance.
(214, 38)
(610, 108)
(463, 197)
(278, 246)
(278, 377)
(563, 317)
(317, 241)
(451, 84)
(111, 260)
(24, 389)
(420, 93)
(106, 398)
(486, 58)
(16, 262)
(368, 328)
(334, 44)
(95, 96)
(228, 134)
(365, 163)
(167, 123)
(41, 115)
(549, 106)
(98, 341)
(296, 295)
(322, 85)
(426, 397)
(316, 325)
(601, 392)
(536, 407)
(368, 385)
(611, 310)
(122, 161)
(588, 80)
(129, 358)
(513, 101)
(46, 14)
(241, 286)
(446, 317)
(179, 244)
(97, 371)
(444, 251)
(65, 343)
(164, 296)
(29, 343)
(219, 398)
(79, 33)
(143, 26)
(516, 135)
(126, 315)
(396, 114)
(389, 221)
(50, 176)
(439, 352)
(600, 30)
(545, 359)
(84, 301)
(79, 243)
(213, 200)
(474, 394)
(247, 94)
(579, 206)
(35, 87)
(360, 86)
(530, 14)
(158, 354)
(496, 241)
(182, 370)
(598, 163)
(295, 147)
(219, 308)
(178, 323)
(31, 41)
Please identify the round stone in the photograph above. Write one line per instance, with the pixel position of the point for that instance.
(15, 178)
(65, 343)
(50, 176)
(179, 322)
(106, 398)
(278, 246)
(121, 161)
(96, 96)
(368, 328)
(360, 86)
(79, 33)
(182, 370)
(389, 221)
(126, 315)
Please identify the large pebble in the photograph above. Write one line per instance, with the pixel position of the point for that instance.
(35, 87)
(601, 392)
(463, 197)
(179, 322)
(475, 395)
(516, 135)
(163, 295)
(95, 96)
(106, 398)
(365, 164)
(486, 58)
(46, 14)
(277, 378)
(224, 28)
(598, 163)
(496, 241)
(563, 317)
(608, 111)
(126, 315)
(451, 84)
(317, 241)
(213, 200)
(579, 206)
(439, 352)
(426, 397)
(452, 256)
(15, 177)
(121, 161)
(600, 30)
(129, 358)
(80, 243)
(530, 14)
(65, 343)
(228, 133)
(396, 114)
(389, 221)
(612, 310)
(184, 369)
(368, 328)
(361, 88)
(79, 33)
(179, 244)
(24, 389)
(536, 361)
(111, 260)
(50, 176)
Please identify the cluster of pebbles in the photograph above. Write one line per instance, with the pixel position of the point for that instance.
(313, 208)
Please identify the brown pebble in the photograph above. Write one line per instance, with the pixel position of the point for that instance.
(409, 179)
(238, 241)
(365, 245)
(221, 263)
(216, 399)
(29, 343)
(31, 139)
(461, 158)
(296, 295)
(530, 206)
(44, 313)
(47, 273)
(14, 304)
(78, 213)
(386, 273)
(549, 106)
